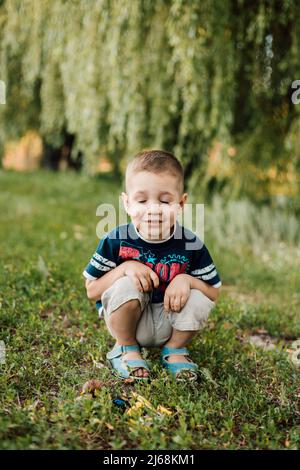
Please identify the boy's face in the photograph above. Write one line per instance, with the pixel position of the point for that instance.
(153, 202)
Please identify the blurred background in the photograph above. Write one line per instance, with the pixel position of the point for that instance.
(84, 86)
(90, 83)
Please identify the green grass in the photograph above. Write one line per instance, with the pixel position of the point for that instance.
(245, 397)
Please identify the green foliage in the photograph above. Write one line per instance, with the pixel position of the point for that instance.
(124, 75)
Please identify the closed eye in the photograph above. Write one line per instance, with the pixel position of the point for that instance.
(162, 202)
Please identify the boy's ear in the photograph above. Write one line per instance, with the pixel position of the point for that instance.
(125, 201)
(183, 200)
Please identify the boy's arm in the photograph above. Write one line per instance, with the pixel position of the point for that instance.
(203, 274)
(95, 288)
(102, 270)
(210, 291)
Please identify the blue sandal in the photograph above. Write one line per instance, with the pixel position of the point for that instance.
(176, 368)
(123, 367)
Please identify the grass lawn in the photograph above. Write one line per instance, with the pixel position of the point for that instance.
(246, 397)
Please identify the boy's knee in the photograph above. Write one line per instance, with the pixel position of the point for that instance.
(124, 282)
(129, 311)
(200, 306)
(123, 292)
(195, 312)
(130, 306)
(200, 303)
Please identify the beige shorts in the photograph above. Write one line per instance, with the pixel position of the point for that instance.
(155, 325)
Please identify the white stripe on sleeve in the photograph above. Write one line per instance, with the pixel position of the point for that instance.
(88, 276)
(104, 260)
(99, 266)
(203, 270)
(206, 277)
(218, 284)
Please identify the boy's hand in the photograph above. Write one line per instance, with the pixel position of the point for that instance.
(177, 293)
(141, 275)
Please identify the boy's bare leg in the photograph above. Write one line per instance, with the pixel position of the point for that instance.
(179, 339)
(124, 322)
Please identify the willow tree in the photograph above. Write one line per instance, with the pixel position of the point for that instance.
(122, 75)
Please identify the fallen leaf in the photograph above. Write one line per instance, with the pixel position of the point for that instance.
(91, 386)
(163, 410)
(261, 331)
(135, 408)
(109, 426)
(66, 322)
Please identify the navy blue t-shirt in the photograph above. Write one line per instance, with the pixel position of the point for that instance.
(183, 252)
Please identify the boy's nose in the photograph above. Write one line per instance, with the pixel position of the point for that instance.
(153, 209)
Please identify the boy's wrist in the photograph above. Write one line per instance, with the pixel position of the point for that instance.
(125, 265)
(188, 277)
(191, 281)
(123, 268)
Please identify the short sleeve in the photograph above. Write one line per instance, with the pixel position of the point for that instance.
(204, 268)
(102, 261)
